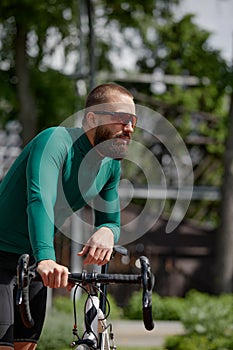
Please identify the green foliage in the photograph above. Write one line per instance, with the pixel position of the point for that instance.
(9, 107)
(56, 97)
(176, 47)
(30, 28)
(57, 331)
(65, 305)
(140, 348)
(199, 312)
(208, 321)
(196, 342)
(164, 308)
(116, 311)
(168, 308)
(205, 314)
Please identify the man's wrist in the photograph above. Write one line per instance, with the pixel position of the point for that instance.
(114, 229)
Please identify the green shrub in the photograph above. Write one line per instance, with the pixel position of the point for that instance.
(133, 310)
(57, 331)
(168, 308)
(199, 312)
(65, 305)
(197, 342)
(116, 312)
(206, 314)
(208, 321)
(164, 308)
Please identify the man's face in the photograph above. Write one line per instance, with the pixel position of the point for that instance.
(113, 133)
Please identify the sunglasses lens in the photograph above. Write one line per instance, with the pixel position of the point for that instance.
(120, 117)
(126, 118)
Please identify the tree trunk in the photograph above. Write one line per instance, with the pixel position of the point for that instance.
(91, 44)
(224, 243)
(28, 111)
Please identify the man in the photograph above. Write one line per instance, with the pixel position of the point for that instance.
(57, 173)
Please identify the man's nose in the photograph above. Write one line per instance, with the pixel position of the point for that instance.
(129, 127)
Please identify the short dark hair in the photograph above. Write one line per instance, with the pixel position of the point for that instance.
(101, 94)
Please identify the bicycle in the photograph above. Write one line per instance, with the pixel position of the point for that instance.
(97, 334)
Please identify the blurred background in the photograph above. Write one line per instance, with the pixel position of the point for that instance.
(173, 57)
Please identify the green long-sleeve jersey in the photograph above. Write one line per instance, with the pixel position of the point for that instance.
(56, 174)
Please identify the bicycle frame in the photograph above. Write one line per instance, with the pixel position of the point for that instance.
(98, 333)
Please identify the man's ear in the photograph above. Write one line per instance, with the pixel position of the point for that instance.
(91, 120)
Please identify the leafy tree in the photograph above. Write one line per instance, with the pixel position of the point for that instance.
(30, 34)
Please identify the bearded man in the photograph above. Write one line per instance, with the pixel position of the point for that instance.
(59, 172)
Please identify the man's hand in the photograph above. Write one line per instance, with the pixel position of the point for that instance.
(53, 274)
(98, 249)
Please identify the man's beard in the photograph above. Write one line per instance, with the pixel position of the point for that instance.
(108, 146)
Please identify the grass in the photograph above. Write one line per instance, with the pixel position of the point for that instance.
(133, 347)
(122, 348)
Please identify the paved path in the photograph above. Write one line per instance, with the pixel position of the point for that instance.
(133, 333)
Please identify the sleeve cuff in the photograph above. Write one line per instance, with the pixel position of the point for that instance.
(45, 254)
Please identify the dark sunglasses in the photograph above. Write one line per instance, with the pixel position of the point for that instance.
(120, 117)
